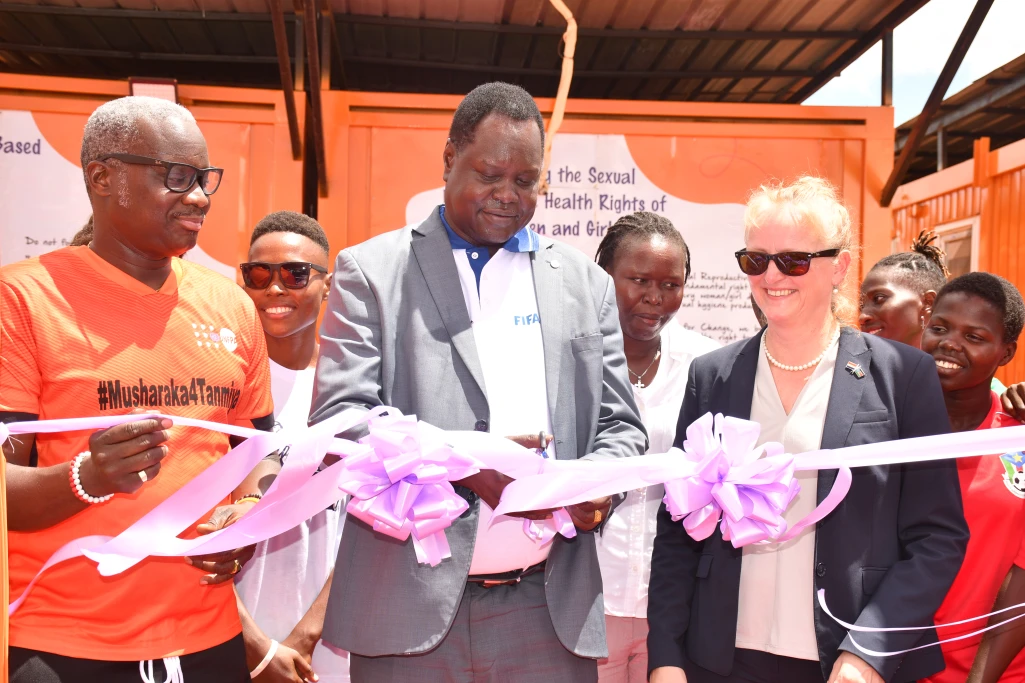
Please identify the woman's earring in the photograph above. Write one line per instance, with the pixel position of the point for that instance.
(921, 321)
(836, 290)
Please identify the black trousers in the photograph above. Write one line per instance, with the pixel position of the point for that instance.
(225, 663)
(754, 666)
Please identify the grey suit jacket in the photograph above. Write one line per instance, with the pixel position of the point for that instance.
(397, 333)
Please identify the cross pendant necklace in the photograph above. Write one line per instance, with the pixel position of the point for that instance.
(639, 384)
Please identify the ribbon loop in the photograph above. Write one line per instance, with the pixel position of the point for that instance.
(401, 487)
(733, 485)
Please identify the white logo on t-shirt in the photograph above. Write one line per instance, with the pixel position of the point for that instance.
(206, 336)
(228, 339)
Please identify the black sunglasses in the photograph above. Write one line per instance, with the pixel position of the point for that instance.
(294, 274)
(791, 263)
(178, 177)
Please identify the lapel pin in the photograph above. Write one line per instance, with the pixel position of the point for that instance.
(855, 369)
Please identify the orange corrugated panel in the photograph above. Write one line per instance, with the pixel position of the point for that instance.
(1001, 196)
(1013, 220)
(358, 204)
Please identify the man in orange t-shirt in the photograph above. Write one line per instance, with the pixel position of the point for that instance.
(116, 326)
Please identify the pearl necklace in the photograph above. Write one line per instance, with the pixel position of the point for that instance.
(810, 364)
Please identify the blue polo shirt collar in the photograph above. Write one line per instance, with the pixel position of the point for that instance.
(525, 240)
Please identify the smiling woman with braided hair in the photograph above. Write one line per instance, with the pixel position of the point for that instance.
(897, 298)
(898, 293)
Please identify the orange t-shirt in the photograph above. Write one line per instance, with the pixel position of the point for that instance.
(80, 338)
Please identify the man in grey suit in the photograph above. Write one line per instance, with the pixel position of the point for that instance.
(469, 320)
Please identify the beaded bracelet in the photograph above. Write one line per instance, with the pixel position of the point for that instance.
(76, 482)
(255, 497)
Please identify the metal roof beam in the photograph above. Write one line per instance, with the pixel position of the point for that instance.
(594, 73)
(119, 13)
(640, 34)
(886, 94)
(957, 54)
(146, 56)
(317, 114)
(438, 24)
(977, 105)
(285, 69)
(403, 63)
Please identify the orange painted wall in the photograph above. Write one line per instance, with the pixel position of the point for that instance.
(382, 149)
(990, 186)
(246, 133)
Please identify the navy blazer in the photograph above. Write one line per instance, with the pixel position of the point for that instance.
(886, 556)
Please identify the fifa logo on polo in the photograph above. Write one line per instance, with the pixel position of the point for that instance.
(526, 319)
(210, 337)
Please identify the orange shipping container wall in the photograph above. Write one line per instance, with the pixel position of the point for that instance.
(382, 149)
(695, 163)
(385, 149)
(246, 133)
(981, 198)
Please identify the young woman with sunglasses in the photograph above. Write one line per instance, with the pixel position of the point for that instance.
(283, 590)
(887, 555)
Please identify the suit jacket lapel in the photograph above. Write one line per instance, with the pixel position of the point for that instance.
(742, 378)
(547, 273)
(433, 252)
(844, 399)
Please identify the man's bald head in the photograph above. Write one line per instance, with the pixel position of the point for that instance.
(134, 210)
(117, 126)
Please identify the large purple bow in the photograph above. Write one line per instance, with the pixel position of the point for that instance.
(733, 482)
(401, 485)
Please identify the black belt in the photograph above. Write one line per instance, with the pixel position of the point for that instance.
(505, 578)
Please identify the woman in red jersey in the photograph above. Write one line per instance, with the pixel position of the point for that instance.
(973, 331)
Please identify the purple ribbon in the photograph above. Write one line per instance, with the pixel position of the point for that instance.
(400, 486)
(732, 483)
(544, 531)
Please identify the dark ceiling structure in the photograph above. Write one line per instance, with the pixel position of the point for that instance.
(755, 51)
(993, 107)
(690, 50)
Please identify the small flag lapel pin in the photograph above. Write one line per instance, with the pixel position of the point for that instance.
(855, 369)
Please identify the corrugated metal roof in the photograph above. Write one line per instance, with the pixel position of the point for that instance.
(993, 107)
(708, 50)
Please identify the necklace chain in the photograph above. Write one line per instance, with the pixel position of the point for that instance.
(812, 363)
(640, 384)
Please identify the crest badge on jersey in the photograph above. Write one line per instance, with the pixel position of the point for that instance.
(1014, 476)
(207, 336)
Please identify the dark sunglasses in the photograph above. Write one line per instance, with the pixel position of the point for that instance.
(294, 274)
(791, 263)
(178, 177)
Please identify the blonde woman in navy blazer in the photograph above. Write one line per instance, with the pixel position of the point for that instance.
(888, 554)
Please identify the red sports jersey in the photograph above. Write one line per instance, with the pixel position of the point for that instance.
(993, 492)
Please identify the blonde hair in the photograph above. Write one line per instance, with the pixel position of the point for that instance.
(813, 203)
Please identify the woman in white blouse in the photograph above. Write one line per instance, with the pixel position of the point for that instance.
(649, 263)
(886, 555)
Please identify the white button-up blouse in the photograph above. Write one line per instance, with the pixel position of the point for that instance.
(624, 548)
